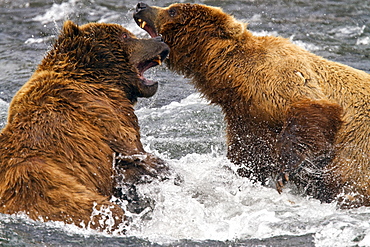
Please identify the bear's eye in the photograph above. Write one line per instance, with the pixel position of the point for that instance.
(172, 12)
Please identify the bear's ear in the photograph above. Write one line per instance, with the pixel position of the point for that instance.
(234, 28)
(70, 29)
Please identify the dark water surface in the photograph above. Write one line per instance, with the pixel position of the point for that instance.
(211, 206)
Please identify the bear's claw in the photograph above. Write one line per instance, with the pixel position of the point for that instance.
(282, 179)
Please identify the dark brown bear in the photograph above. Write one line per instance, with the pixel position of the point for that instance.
(290, 114)
(70, 120)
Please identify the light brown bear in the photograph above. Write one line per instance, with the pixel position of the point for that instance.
(291, 115)
(70, 120)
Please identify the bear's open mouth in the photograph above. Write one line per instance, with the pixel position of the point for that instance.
(147, 64)
(147, 27)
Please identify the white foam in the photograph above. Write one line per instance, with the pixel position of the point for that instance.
(3, 104)
(306, 46)
(3, 113)
(193, 99)
(363, 41)
(57, 12)
(348, 31)
(34, 40)
(212, 202)
(265, 33)
(344, 228)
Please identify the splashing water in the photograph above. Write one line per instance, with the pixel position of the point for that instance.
(204, 202)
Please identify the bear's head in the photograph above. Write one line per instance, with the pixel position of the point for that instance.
(184, 19)
(106, 53)
(189, 29)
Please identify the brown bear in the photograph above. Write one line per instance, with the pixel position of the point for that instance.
(291, 115)
(73, 121)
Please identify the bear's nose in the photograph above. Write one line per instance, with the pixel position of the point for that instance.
(140, 6)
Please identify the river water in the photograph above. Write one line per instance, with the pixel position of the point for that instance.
(203, 203)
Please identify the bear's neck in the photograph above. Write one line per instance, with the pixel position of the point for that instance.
(215, 66)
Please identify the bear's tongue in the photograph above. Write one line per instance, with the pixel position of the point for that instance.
(144, 66)
(148, 28)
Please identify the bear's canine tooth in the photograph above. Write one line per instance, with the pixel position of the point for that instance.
(142, 23)
(158, 60)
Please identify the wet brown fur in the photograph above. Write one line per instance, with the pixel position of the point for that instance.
(290, 114)
(66, 123)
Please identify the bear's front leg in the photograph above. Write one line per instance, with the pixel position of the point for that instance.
(306, 145)
(136, 168)
(139, 167)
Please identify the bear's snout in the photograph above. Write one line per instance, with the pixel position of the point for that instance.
(141, 6)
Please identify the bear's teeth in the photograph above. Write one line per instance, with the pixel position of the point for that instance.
(142, 23)
(158, 60)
